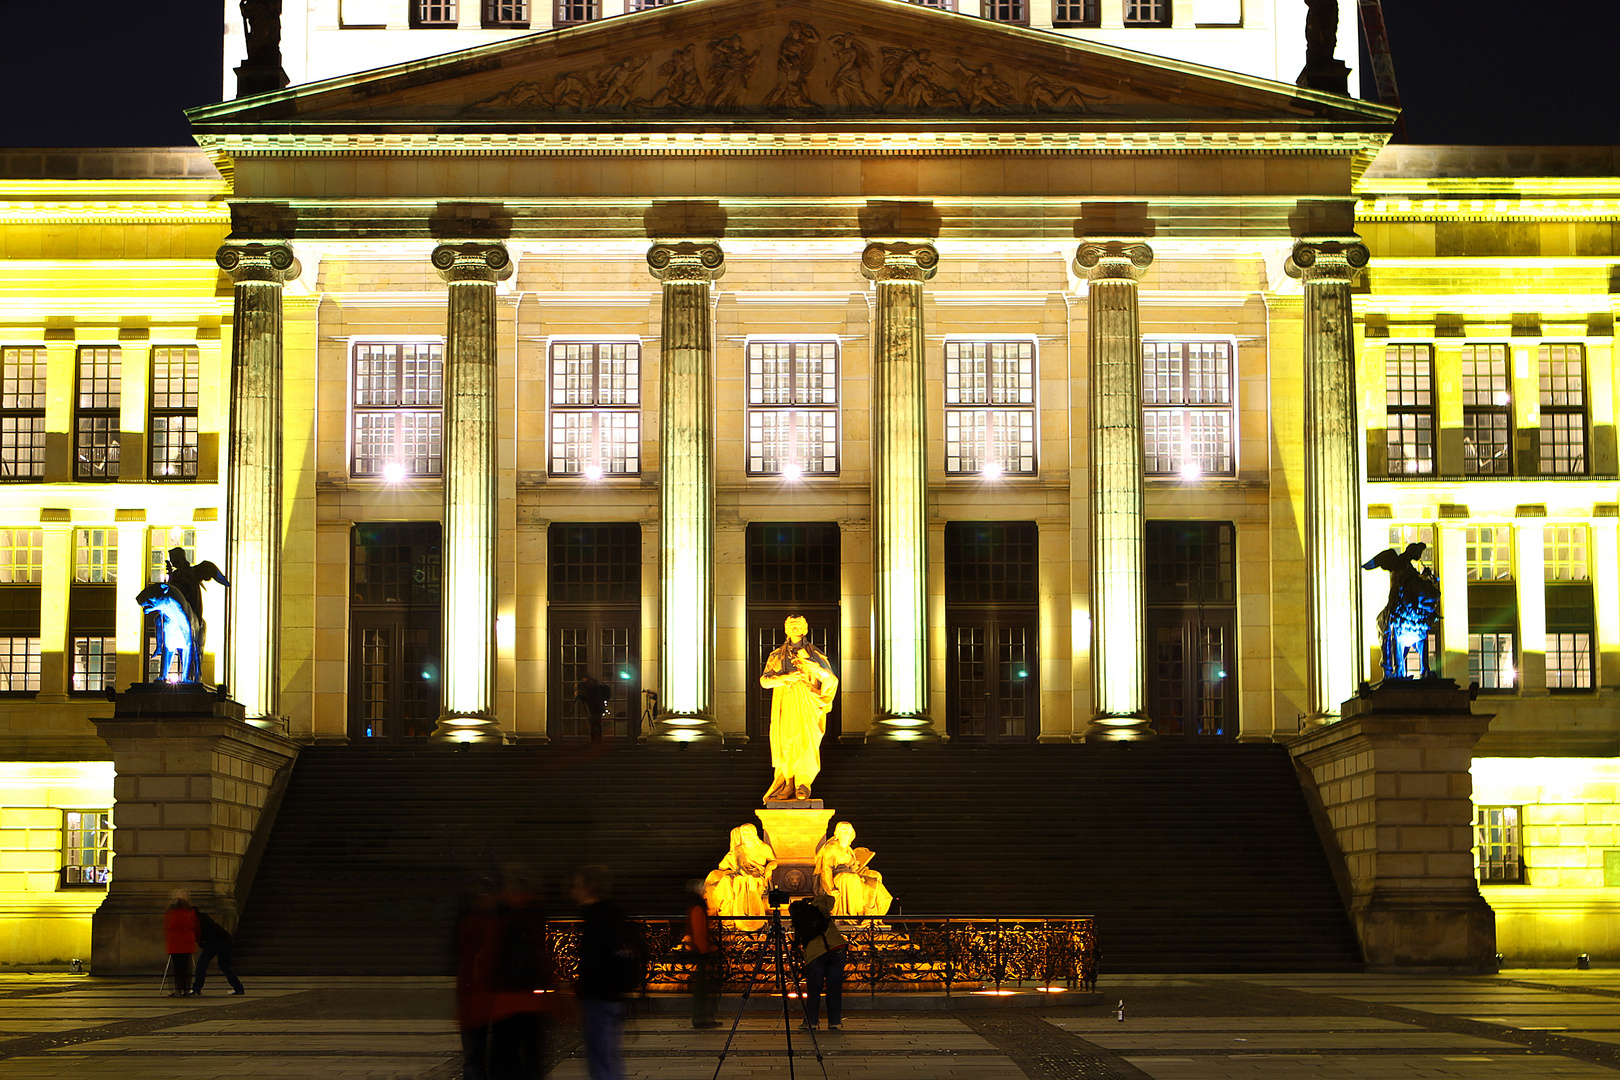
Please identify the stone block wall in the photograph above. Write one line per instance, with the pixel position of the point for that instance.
(44, 922)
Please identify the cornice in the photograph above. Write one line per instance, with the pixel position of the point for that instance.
(1487, 209)
(115, 213)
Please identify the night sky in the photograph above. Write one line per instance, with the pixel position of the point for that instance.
(100, 73)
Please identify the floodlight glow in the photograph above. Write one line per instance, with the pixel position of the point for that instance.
(792, 472)
(1192, 471)
(593, 472)
(393, 472)
(992, 471)
(1502, 398)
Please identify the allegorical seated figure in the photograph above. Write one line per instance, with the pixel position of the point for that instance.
(1410, 612)
(737, 887)
(845, 873)
(802, 687)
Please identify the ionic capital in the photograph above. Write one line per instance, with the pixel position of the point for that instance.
(899, 261)
(253, 261)
(1112, 260)
(686, 261)
(1331, 260)
(472, 260)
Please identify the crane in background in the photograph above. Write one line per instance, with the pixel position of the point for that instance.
(1383, 65)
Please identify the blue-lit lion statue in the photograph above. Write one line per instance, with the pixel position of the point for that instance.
(177, 604)
(1413, 607)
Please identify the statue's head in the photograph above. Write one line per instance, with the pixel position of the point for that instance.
(796, 626)
(844, 832)
(177, 557)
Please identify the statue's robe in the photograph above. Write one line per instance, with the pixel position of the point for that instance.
(799, 714)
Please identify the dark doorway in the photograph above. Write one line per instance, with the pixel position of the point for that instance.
(394, 575)
(793, 568)
(992, 576)
(1192, 628)
(594, 620)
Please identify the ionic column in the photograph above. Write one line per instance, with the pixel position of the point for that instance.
(253, 494)
(686, 493)
(1118, 603)
(467, 597)
(1332, 473)
(900, 491)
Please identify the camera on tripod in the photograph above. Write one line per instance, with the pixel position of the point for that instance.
(778, 897)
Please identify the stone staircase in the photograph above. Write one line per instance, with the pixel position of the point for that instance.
(1192, 858)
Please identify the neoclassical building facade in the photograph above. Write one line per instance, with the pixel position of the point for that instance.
(1060, 373)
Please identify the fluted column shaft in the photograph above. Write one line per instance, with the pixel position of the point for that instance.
(900, 490)
(1332, 472)
(1118, 601)
(686, 492)
(253, 498)
(467, 596)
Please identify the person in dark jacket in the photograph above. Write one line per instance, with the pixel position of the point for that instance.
(703, 939)
(180, 940)
(598, 986)
(216, 942)
(504, 989)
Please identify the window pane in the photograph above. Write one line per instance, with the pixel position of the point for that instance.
(1490, 552)
(19, 664)
(1147, 12)
(22, 556)
(1187, 415)
(95, 663)
(1491, 661)
(1496, 843)
(95, 556)
(1562, 444)
(398, 408)
(435, 12)
(1565, 552)
(1569, 661)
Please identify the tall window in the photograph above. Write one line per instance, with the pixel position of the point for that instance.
(1487, 411)
(1498, 853)
(1192, 628)
(1187, 408)
(1493, 612)
(512, 14)
(394, 586)
(96, 415)
(434, 13)
(86, 847)
(22, 559)
(990, 408)
(1147, 12)
(794, 568)
(792, 408)
(1571, 619)
(1400, 536)
(22, 413)
(1075, 13)
(992, 622)
(93, 610)
(1409, 409)
(1007, 11)
(1561, 377)
(398, 410)
(172, 426)
(594, 626)
(577, 11)
(595, 408)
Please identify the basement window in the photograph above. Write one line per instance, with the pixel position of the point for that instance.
(1497, 851)
(86, 848)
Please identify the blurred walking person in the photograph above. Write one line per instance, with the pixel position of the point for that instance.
(612, 964)
(504, 985)
(704, 941)
(180, 940)
(216, 942)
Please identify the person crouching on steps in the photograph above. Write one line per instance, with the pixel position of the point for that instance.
(216, 942)
(180, 940)
(822, 947)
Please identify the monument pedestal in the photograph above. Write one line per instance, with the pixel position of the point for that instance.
(794, 830)
(1393, 776)
(192, 783)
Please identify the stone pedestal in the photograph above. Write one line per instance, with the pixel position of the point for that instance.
(1393, 776)
(192, 782)
(794, 834)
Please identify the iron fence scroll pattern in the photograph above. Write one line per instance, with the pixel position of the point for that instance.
(930, 953)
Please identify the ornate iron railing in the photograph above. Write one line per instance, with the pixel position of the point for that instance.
(952, 954)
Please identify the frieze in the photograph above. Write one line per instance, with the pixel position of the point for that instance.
(836, 74)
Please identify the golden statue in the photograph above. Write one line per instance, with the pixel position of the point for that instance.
(845, 873)
(737, 888)
(803, 687)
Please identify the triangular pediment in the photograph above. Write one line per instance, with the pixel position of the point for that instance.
(859, 60)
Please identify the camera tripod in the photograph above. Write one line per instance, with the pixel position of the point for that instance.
(779, 946)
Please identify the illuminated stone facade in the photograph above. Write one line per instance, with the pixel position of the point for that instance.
(918, 290)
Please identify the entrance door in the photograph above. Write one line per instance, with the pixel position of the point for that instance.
(602, 645)
(1192, 628)
(394, 578)
(992, 678)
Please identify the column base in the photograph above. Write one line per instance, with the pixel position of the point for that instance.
(674, 731)
(1105, 729)
(465, 728)
(915, 729)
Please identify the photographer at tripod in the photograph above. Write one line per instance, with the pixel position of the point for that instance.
(823, 947)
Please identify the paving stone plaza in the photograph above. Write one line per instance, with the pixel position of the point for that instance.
(1522, 1023)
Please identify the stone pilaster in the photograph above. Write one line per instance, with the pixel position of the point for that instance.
(467, 604)
(686, 493)
(1118, 602)
(1332, 473)
(253, 499)
(900, 490)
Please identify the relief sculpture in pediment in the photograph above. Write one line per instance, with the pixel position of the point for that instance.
(862, 77)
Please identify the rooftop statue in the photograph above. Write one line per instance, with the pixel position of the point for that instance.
(737, 887)
(1413, 607)
(803, 687)
(177, 603)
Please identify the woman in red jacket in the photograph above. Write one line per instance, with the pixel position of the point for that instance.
(180, 940)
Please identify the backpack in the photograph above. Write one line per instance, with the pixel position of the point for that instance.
(809, 921)
(627, 973)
